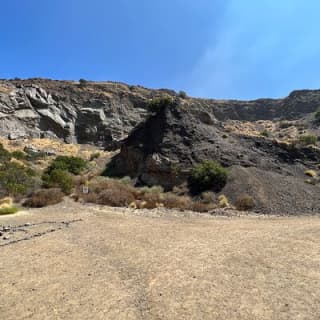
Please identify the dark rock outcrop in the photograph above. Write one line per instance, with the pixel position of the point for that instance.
(164, 149)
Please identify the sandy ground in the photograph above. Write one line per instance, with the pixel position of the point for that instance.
(114, 264)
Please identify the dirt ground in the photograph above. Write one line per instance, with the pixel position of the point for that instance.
(83, 262)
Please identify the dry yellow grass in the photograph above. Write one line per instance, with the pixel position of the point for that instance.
(58, 146)
(254, 129)
(310, 173)
(6, 202)
(5, 89)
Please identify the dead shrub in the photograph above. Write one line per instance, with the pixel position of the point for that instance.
(118, 197)
(180, 190)
(198, 206)
(244, 203)
(152, 200)
(44, 197)
(110, 192)
(79, 181)
(208, 197)
(171, 201)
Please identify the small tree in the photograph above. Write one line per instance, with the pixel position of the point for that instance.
(157, 104)
(4, 154)
(83, 83)
(58, 178)
(74, 165)
(208, 175)
(15, 179)
(182, 94)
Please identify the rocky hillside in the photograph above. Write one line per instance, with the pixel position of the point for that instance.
(97, 113)
(162, 135)
(104, 113)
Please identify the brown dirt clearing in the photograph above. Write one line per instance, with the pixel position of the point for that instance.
(114, 264)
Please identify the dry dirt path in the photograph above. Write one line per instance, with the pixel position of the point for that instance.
(117, 265)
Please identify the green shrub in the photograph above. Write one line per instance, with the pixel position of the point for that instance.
(58, 178)
(83, 83)
(208, 175)
(308, 139)
(34, 156)
(265, 133)
(153, 189)
(19, 155)
(15, 179)
(4, 154)
(182, 94)
(95, 155)
(8, 210)
(157, 104)
(127, 181)
(73, 165)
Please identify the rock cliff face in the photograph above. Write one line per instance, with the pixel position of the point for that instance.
(105, 113)
(101, 114)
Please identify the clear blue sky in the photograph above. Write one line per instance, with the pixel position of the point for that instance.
(223, 49)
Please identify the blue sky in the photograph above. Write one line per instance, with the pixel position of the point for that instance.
(221, 49)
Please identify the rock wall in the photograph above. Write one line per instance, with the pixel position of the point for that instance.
(105, 113)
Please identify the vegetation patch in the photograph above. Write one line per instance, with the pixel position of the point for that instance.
(308, 139)
(8, 210)
(157, 104)
(317, 115)
(19, 155)
(244, 203)
(208, 175)
(74, 165)
(95, 156)
(44, 197)
(58, 178)
(223, 201)
(310, 173)
(15, 179)
(118, 193)
(5, 155)
(265, 133)
(182, 94)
